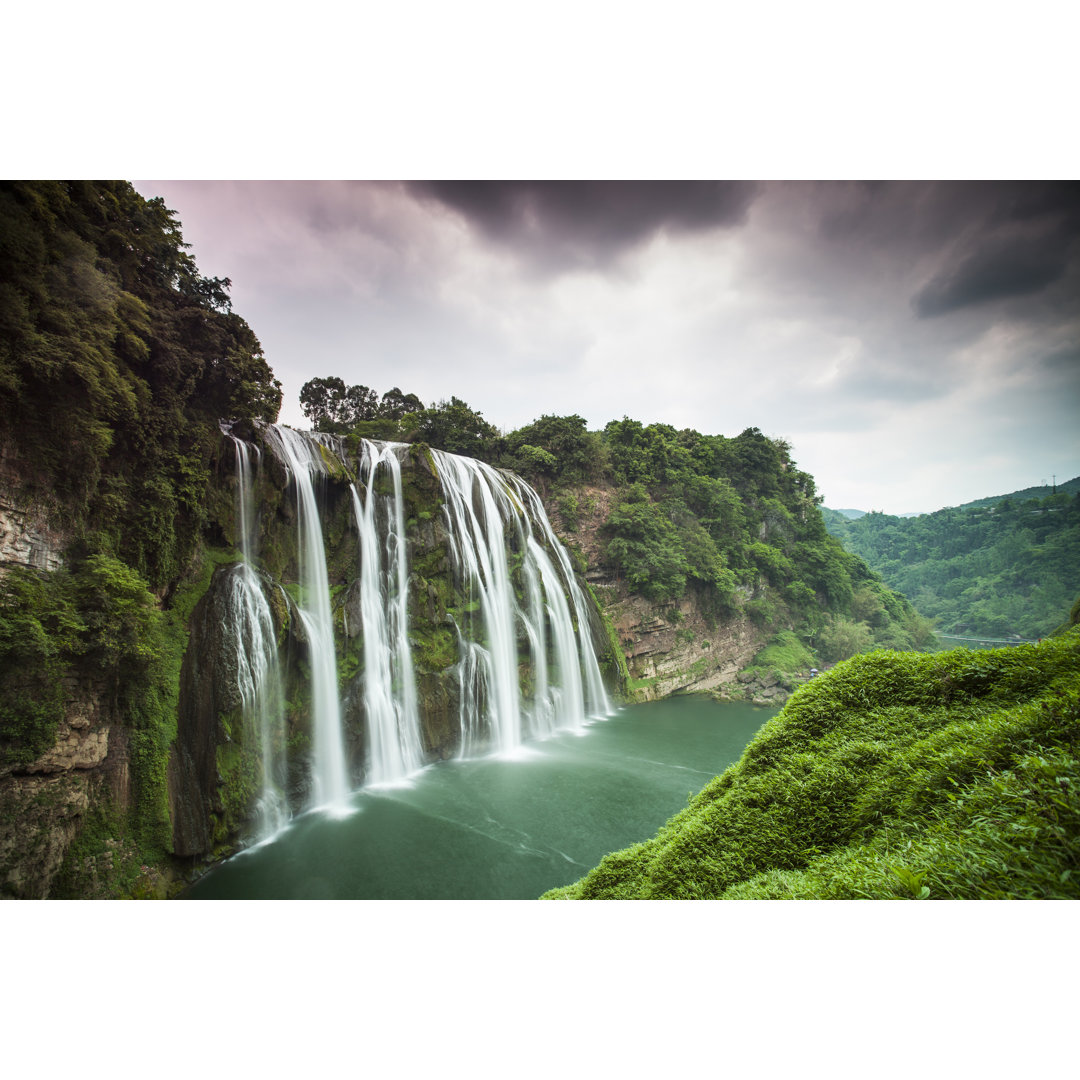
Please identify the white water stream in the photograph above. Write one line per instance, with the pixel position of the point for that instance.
(521, 611)
(495, 520)
(330, 782)
(256, 659)
(393, 722)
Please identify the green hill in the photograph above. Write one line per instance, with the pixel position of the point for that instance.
(895, 775)
(1070, 487)
(988, 570)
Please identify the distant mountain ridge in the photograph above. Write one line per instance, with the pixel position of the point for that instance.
(1001, 567)
(1070, 487)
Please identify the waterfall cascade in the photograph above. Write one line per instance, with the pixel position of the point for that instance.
(493, 519)
(393, 722)
(329, 777)
(525, 666)
(256, 659)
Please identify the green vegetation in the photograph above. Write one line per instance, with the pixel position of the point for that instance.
(99, 625)
(117, 359)
(358, 411)
(733, 521)
(785, 654)
(98, 618)
(730, 520)
(333, 407)
(611, 657)
(998, 570)
(1070, 487)
(646, 547)
(895, 775)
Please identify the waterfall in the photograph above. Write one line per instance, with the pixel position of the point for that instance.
(256, 660)
(597, 702)
(393, 722)
(490, 517)
(476, 502)
(525, 667)
(329, 778)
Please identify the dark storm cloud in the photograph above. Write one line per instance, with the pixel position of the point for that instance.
(996, 269)
(1024, 243)
(587, 222)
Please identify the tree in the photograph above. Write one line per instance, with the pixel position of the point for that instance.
(645, 547)
(333, 407)
(395, 404)
(455, 427)
(564, 438)
(322, 400)
(842, 638)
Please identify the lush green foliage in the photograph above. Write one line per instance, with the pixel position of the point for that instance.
(1006, 569)
(555, 449)
(333, 407)
(117, 359)
(359, 411)
(784, 654)
(645, 545)
(736, 521)
(96, 623)
(455, 427)
(39, 629)
(1070, 487)
(949, 776)
(731, 519)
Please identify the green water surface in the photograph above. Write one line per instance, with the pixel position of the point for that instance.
(501, 828)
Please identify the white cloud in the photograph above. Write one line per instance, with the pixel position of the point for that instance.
(799, 322)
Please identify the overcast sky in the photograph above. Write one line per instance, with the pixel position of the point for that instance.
(918, 344)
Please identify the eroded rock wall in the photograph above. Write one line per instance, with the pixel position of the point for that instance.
(668, 648)
(676, 648)
(46, 804)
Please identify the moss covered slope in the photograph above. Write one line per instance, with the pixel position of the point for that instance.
(948, 776)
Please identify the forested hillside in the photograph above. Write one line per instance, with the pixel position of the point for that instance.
(731, 521)
(117, 359)
(1008, 568)
(1070, 487)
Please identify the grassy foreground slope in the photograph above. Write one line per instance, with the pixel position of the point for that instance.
(896, 775)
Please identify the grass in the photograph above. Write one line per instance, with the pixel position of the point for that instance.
(785, 653)
(896, 775)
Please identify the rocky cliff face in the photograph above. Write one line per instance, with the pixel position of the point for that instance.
(668, 648)
(46, 804)
(26, 539)
(27, 536)
(677, 649)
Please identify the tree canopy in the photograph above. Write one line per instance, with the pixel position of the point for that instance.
(996, 568)
(117, 360)
(733, 520)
